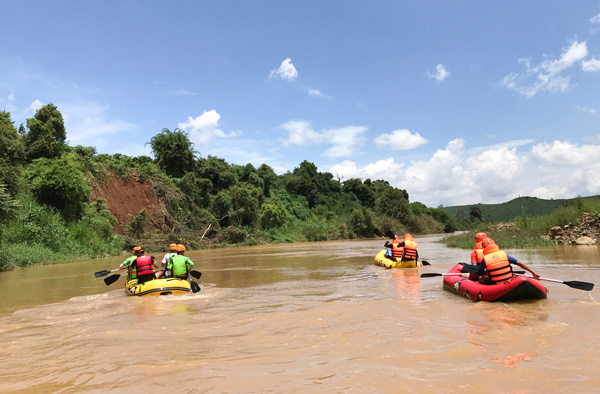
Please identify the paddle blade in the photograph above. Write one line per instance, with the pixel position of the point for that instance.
(195, 287)
(580, 285)
(111, 279)
(196, 274)
(425, 262)
(100, 274)
(431, 274)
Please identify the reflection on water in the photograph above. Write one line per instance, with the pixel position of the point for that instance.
(313, 317)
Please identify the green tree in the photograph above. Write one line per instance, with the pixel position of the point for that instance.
(245, 202)
(475, 214)
(271, 216)
(174, 152)
(268, 176)
(218, 172)
(60, 184)
(361, 191)
(11, 144)
(46, 133)
(393, 203)
(361, 222)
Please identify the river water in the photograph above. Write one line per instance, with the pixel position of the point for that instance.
(301, 318)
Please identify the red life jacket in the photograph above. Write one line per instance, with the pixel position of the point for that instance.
(144, 265)
(410, 250)
(498, 266)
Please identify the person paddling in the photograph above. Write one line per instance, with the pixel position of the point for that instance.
(179, 265)
(405, 250)
(131, 273)
(163, 267)
(144, 265)
(496, 264)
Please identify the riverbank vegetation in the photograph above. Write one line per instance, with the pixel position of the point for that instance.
(527, 231)
(60, 202)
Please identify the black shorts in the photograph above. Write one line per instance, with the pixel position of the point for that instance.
(145, 278)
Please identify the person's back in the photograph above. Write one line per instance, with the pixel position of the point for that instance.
(179, 265)
(144, 266)
(410, 249)
(495, 262)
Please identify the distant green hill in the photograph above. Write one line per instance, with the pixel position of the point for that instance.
(509, 210)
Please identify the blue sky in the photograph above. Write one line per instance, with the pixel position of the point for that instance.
(458, 102)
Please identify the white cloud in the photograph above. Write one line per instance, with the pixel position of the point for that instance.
(591, 65)
(595, 19)
(546, 74)
(565, 153)
(183, 92)
(591, 111)
(457, 176)
(440, 73)
(205, 128)
(400, 140)
(315, 92)
(286, 71)
(344, 141)
(300, 133)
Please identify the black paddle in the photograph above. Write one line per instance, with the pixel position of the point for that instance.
(112, 279)
(432, 274)
(587, 286)
(101, 274)
(195, 286)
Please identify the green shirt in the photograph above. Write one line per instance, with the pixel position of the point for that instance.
(178, 265)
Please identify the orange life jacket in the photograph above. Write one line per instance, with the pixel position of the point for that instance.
(497, 266)
(397, 250)
(477, 254)
(410, 250)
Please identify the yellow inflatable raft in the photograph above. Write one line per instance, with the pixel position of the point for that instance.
(158, 287)
(387, 262)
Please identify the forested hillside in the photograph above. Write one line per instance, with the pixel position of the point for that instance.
(508, 211)
(61, 202)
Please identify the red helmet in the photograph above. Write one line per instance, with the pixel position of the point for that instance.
(408, 236)
(480, 236)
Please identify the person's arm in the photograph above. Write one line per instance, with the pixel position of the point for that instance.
(387, 244)
(473, 258)
(481, 269)
(521, 264)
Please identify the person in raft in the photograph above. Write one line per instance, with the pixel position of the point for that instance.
(131, 274)
(477, 253)
(143, 264)
(179, 265)
(395, 250)
(163, 265)
(405, 250)
(496, 265)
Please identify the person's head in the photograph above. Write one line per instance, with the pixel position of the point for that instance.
(180, 249)
(138, 250)
(409, 237)
(489, 246)
(480, 236)
(173, 248)
(478, 245)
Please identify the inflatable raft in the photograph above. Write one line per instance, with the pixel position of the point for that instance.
(520, 287)
(163, 286)
(389, 262)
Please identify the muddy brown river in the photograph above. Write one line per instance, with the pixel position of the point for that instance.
(301, 318)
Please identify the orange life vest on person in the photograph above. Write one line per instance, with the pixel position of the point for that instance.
(477, 253)
(410, 250)
(144, 265)
(397, 250)
(497, 266)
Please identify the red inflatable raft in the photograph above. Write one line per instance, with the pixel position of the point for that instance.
(518, 288)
